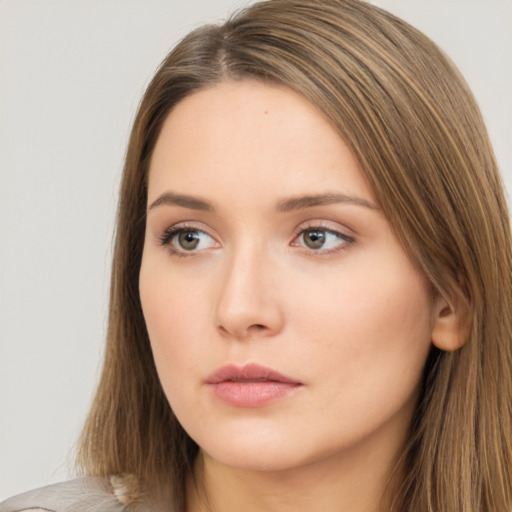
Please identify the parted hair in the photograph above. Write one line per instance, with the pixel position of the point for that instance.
(415, 128)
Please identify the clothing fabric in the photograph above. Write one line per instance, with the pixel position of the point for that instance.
(87, 494)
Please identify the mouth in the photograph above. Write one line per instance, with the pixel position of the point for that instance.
(251, 385)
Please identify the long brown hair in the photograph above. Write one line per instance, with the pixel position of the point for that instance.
(416, 130)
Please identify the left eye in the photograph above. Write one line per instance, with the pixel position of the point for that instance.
(189, 240)
(318, 239)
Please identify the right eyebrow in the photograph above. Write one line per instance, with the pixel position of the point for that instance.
(172, 199)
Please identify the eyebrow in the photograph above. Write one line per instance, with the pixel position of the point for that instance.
(283, 206)
(302, 202)
(172, 199)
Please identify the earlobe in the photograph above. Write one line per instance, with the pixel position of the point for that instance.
(448, 331)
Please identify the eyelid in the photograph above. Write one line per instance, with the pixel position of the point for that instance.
(325, 225)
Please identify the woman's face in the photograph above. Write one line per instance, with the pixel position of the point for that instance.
(287, 324)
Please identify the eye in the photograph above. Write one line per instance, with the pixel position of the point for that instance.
(321, 239)
(183, 240)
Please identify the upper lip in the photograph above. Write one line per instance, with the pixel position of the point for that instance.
(248, 373)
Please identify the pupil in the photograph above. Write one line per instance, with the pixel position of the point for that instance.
(188, 240)
(315, 239)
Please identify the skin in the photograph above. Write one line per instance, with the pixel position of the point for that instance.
(352, 320)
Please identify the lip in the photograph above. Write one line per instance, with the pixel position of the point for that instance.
(251, 385)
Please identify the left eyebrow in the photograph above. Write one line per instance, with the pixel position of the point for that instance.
(301, 202)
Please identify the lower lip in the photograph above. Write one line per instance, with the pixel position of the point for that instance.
(252, 394)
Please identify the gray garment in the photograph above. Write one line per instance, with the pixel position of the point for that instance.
(86, 494)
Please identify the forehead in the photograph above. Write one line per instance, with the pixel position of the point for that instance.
(252, 137)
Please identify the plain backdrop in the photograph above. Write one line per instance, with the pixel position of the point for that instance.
(71, 75)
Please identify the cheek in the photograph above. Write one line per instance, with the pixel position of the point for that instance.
(175, 314)
(369, 332)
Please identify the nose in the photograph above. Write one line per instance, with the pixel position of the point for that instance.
(248, 304)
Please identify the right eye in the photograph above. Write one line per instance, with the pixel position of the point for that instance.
(186, 240)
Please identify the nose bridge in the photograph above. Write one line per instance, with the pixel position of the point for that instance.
(248, 300)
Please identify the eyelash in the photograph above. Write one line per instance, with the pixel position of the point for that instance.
(346, 240)
(169, 234)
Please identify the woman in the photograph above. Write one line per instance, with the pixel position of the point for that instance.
(310, 302)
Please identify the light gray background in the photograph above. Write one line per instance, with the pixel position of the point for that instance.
(71, 75)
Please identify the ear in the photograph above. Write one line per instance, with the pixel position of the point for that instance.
(449, 329)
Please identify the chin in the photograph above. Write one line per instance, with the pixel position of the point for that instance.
(270, 451)
(260, 461)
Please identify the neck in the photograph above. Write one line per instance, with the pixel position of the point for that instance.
(340, 483)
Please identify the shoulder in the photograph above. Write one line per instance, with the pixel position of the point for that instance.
(86, 494)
